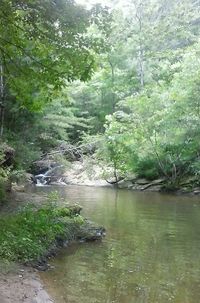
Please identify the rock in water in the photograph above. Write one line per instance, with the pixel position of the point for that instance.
(89, 232)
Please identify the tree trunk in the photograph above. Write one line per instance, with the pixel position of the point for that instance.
(2, 108)
(141, 54)
(141, 66)
(113, 83)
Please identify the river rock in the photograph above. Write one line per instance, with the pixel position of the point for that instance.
(7, 159)
(89, 232)
(74, 209)
(18, 188)
(130, 177)
(141, 181)
(42, 166)
(8, 155)
(156, 188)
(125, 184)
(196, 191)
(158, 181)
(137, 187)
(52, 175)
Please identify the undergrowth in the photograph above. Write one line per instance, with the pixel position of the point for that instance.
(28, 234)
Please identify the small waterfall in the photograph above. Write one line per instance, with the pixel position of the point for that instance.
(46, 178)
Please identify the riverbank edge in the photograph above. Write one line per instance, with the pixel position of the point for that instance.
(24, 284)
(148, 186)
(88, 172)
(159, 185)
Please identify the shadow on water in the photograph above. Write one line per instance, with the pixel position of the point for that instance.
(150, 254)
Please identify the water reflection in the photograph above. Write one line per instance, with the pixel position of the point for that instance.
(150, 253)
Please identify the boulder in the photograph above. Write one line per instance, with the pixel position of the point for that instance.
(125, 184)
(89, 232)
(158, 181)
(130, 177)
(137, 187)
(41, 166)
(141, 181)
(196, 191)
(74, 209)
(8, 155)
(156, 188)
(52, 175)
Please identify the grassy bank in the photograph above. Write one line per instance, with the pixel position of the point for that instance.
(31, 233)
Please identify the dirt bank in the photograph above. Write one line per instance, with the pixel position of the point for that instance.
(22, 285)
(19, 284)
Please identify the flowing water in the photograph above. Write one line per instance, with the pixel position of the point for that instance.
(151, 253)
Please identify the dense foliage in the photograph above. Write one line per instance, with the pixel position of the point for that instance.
(129, 76)
(149, 82)
(31, 233)
(45, 45)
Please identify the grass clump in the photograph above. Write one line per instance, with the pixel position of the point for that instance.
(30, 233)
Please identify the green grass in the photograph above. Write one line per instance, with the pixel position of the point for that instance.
(29, 234)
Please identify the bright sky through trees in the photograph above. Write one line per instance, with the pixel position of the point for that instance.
(122, 4)
(89, 3)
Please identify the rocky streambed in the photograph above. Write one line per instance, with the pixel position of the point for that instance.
(86, 172)
(189, 186)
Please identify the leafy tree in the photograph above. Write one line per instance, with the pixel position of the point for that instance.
(43, 44)
(161, 125)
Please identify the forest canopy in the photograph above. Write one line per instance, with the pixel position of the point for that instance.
(127, 77)
(43, 44)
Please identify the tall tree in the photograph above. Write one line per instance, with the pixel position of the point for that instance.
(43, 45)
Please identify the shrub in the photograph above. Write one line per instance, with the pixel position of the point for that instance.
(147, 168)
(27, 235)
(4, 181)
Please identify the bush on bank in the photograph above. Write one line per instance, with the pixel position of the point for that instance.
(30, 233)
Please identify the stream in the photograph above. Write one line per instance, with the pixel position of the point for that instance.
(151, 253)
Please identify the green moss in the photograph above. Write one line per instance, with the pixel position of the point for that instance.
(27, 235)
